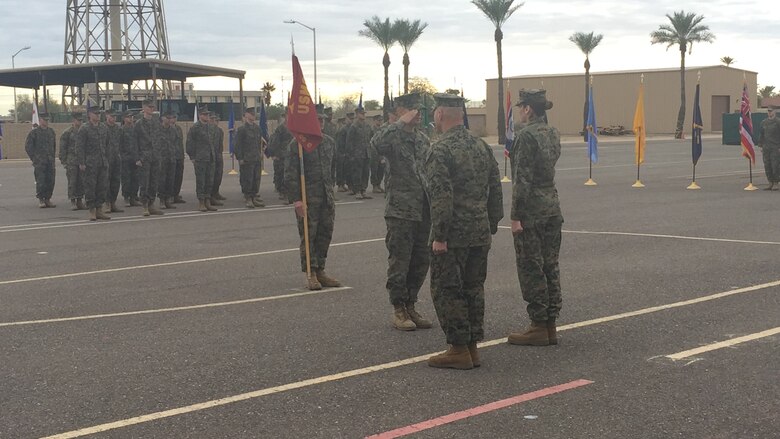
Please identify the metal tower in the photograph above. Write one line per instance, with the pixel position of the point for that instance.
(114, 30)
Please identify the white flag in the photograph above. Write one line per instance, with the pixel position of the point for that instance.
(35, 120)
(196, 114)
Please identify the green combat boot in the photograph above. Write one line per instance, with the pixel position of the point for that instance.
(401, 320)
(535, 335)
(456, 357)
(474, 354)
(419, 321)
(325, 280)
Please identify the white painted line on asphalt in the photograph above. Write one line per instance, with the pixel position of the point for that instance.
(654, 235)
(135, 218)
(371, 369)
(724, 344)
(175, 309)
(168, 264)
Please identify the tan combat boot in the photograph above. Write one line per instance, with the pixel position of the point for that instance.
(167, 202)
(80, 204)
(552, 331)
(401, 320)
(92, 214)
(146, 209)
(128, 203)
(135, 203)
(258, 202)
(178, 199)
(249, 204)
(474, 354)
(154, 210)
(73, 205)
(419, 321)
(49, 203)
(219, 197)
(100, 215)
(115, 209)
(215, 202)
(456, 357)
(325, 280)
(535, 335)
(313, 283)
(41, 203)
(202, 206)
(209, 207)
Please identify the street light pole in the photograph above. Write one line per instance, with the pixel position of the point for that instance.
(13, 66)
(314, 31)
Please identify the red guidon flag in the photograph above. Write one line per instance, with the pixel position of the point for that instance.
(301, 113)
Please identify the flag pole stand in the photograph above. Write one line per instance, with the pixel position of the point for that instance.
(693, 186)
(638, 182)
(305, 212)
(232, 166)
(590, 181)
(506, 179)
(750, 186)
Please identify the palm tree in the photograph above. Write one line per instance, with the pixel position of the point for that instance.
(685, 30)
(382, 33)
(767, 91)
(498, 12)
(407, 33)
(586, 43)
(267, 89)
(727, 60)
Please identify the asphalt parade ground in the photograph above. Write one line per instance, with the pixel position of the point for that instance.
(198, 325)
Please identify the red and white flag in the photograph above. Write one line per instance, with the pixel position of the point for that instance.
(746, 127)
(35, 120)
(301, 113)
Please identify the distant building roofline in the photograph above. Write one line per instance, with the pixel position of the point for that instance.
(622, 72)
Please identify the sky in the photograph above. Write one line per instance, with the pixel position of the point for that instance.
(456, 50)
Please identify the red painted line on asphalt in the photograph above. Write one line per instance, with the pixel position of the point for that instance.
(457, 416)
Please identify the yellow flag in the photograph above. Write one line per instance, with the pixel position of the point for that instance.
(639, 126)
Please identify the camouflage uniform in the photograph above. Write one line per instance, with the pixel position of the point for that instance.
(128, 151)
(147, 134)
(91, 151)
(114, 162)
(342, 170)
(357, 143)
(179, 159)
(466, 206)
(247, 149)
(167, 162)
(277, 148)
(377, 166)
(407, 212)
(40, 146)
(331, 129)
(321, 207)
(535, 204)
(219, 162)
(769, 141)
(68, 159)
(201, 152)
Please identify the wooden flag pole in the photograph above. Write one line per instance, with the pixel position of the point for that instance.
(305, 211)
(506, 178)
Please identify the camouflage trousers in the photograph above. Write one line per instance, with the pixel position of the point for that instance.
(458, 292)
(149, 180)
(95, 185)
(378, 170)
(341, 172)
(44, 179)
(279, 176)
(167, 177)
(219, 169)
(249, 177)
(129, 179)
(536, 252)
(75, 181)
(114, 179)
(408, 258)
(771, 164)
(204, 179)
(322, 216)
(178, 177)
(359, 170)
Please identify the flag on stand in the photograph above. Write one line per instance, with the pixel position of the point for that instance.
(510, 125)
(639, 126)
(35, 120)
(301, 114)
(231, 128)
(593, 138)
(746, 127)
(1, 140)
(360, 103)
(195, 116)
(698, 126)
(263, 121)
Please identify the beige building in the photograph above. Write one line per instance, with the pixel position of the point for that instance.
(615, 96)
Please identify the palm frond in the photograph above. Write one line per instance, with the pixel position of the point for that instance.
(378, 31)
(497, 11)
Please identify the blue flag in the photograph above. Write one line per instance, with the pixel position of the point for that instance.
(231, 126)
(593, 137)
(1, 140)
(263, 122)
(698, 126)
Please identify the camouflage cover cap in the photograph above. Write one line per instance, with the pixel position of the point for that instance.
(534, 97)
(360, 110)
(411, 101)
(74, 116)
(43, 116)
(342, 119)
(329, 110)
(448, 100)
(204, 111)
(250, 110)
(351, 115)
(169, 114)
(128, 113)
(110, 112)
(377, 117)
(94, 110)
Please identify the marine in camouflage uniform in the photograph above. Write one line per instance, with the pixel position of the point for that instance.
(466, 206)
(331, 129)
(114, 161)
(769, 142)
(342, 171)
(376, 163)
(201, 152)
(358, 140)
(168, 139)
(277, 150)
(92, 158)
(321, 205)
(179, 156)
(40, 146)
(407, 212)
(147, 135)
(219, 161)
(68, 160)
(536, 218)
(248, 152)
(131, 161)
